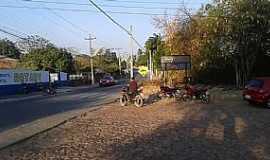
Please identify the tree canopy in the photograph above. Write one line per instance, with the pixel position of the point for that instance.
(51, 58)
(8, 49)
(229, 41)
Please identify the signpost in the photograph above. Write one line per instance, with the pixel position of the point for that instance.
(176, 62)
(143, 70)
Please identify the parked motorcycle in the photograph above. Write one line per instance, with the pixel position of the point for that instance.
(167, 92)
(193, 93)
(128, 97)
(171, 92)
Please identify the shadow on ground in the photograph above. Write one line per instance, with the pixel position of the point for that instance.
(226, 132)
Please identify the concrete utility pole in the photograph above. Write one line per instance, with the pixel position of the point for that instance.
(131, 53)
(153, 51)
(119, 58)
(120, 65)
(150, 65)
(90, 39)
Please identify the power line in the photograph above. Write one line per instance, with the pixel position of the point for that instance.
(86, 4)
(67, 21)
(18, 32)
(121, 6)
(112, 12)
(51, 20)
(12, 34)
(71, 23)
(82, 10)
(115, 22)
(143, 2)
(105, 5)
(139, 7)
(75, 26)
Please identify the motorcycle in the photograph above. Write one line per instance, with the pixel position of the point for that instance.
(50, 90)
(193, 93)
(169, 92)
(128, 97)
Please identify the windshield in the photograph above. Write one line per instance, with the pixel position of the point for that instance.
(107, 78)
(255, 83)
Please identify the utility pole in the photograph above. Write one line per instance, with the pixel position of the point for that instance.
(153, 51)
(150, 65)
(131, 53)
(119, 59)
(151, 58)
(90, 39)
(120, 65)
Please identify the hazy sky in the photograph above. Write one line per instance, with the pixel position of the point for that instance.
(29, 18)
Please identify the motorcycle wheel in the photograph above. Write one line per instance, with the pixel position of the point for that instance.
(186, 98)
(205, 99)
(138, 101)
(124, 100)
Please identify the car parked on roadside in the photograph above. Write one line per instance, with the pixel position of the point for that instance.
(258, 91)
(107, 81)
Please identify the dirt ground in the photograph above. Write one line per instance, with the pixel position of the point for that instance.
(162, 131)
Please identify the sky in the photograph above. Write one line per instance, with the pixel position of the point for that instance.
(70, 28)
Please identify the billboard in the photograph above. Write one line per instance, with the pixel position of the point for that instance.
(176, 62)
(12, 77)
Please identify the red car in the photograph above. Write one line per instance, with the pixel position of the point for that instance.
(107, 81)
(258, 91)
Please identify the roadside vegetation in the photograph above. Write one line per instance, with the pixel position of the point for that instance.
(229, 41)
(37, 53)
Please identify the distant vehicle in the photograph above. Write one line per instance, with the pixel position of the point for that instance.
(107, 81)
(258, 91)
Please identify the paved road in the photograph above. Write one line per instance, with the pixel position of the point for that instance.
(17, 112)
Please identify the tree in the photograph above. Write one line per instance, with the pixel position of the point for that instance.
(108, 61)
(82, 63)
(8, 48)
(50, 58)
(157, 47)
(245, 33)
(32, 43)
(221, 37)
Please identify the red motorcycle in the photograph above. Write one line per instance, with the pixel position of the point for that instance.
(171, 92)
(128, 97)
(167, 92)
(194, 92)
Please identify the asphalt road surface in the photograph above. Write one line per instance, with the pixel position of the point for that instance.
(17, 112)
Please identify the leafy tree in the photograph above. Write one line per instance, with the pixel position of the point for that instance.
(82, 63)
(157, 47)
(32, 43)
(142, 60)
(50, 58)
(228, 40)
(8, 48)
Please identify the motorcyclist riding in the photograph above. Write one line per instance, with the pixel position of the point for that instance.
(133, 86)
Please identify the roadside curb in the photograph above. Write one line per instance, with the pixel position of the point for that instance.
(10, 138)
